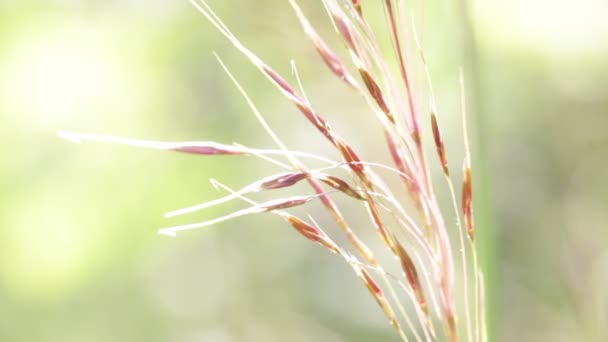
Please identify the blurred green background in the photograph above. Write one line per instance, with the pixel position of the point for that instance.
(80, 259)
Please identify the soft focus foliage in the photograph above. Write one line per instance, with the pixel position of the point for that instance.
(80, 259)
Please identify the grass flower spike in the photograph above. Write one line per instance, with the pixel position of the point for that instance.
(427, 299)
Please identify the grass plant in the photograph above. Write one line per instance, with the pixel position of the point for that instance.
(420, 301)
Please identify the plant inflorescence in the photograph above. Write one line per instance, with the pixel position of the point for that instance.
(421, 303)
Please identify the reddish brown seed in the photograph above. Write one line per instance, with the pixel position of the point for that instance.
(302, 226)
(314, 118)
(340, 185)
(376, 292)
(363, 250)
(285, 203)
(283, 180)
(311, 233)
(300, 103)
(354, 162)
(327, 54)
(376, 92)
(467, 201)
(386, 237)
(371, 284)
(409, 269)
(439, 144)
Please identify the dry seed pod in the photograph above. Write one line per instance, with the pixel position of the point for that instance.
(327, 54)
(376, 93)
(359, 245)
(285, 203)
(467, 200)
(315, 119)
(439, 144)
(340, 185)
(384, 234)
(298, 101)
(283, 180)
(378, 295)
(311, 233)
(409, 269)
(354, 162)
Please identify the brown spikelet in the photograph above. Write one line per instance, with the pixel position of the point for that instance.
(359, 245)
(311, 233)
(467, 200)
(354, 162)
(285, 203)
(340, 185)
(298, 101)
(439, 144)
(378, 295)
(327, 54)
(376, 92)
(409, 269)
(315, 119)
(380, 227)
(283, 180)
